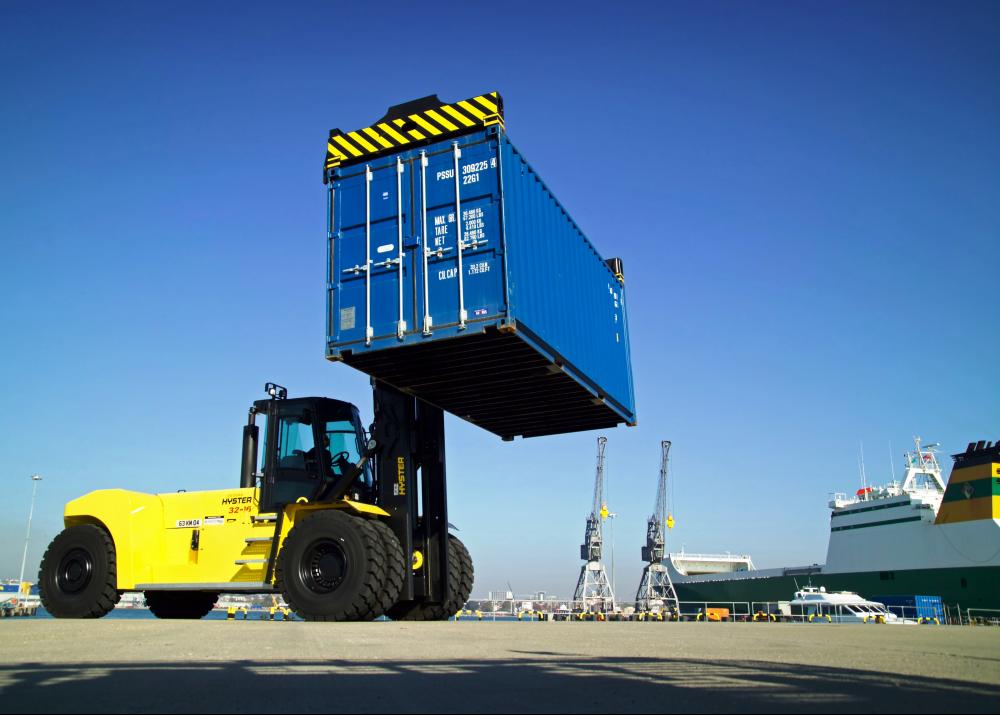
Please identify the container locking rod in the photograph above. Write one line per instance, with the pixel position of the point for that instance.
(423, 240)
(368, 255)
(462, 315)
(400, 324)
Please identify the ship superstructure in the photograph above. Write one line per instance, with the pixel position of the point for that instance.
(884, 527)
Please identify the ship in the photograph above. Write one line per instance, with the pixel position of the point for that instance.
(917, 536)
(18, 598)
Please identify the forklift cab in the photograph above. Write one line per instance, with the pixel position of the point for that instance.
(314, 448)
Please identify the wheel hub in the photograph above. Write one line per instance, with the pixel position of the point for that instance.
(76, 569)
(324, 566)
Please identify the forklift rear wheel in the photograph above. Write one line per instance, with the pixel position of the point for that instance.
(78, 577)
(332, 567)
(181, 604)
(395, 563)
(460, 578)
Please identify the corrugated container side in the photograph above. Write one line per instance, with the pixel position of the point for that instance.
(559, 285)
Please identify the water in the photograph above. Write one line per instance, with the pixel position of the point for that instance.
(133, 614)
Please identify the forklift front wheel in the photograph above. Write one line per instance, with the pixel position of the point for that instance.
(395, 568)
(332, 567)
(461, 575)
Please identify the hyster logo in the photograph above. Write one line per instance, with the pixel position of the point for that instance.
(401, 475)
(236, 500)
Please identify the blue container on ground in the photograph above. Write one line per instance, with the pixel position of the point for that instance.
(518, 326)
(914, 606)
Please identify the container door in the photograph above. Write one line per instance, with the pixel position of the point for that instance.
(372, 210)
(462, 280)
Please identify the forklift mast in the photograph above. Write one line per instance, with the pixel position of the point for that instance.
(410, 484)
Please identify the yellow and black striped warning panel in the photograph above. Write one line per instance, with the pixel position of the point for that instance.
(412, 124)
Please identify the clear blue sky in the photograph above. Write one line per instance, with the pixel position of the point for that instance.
(806, 197)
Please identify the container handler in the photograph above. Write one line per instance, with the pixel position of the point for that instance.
(345, 525)
(456, 281)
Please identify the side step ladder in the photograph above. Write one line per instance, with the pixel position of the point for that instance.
(255, 540)
(272, 539)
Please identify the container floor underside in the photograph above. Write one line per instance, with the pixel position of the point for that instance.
(494, 380)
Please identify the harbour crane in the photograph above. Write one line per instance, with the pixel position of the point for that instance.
(593, 589)
(656, 590)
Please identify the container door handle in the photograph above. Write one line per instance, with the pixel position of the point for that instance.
(400, 324)
(462, 315)
(425, 250)
(368, 255)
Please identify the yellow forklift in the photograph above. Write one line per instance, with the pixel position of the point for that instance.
(345, 525)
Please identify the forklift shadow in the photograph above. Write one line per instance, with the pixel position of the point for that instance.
(530, 684)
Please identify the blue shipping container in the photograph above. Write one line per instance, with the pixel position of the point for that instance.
(914, 606)
(519, 326)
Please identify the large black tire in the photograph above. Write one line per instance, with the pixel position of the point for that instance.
(332, 567)
(461, 589)
(181, 604)
(395, 568)
(461, 575)
(78, 577)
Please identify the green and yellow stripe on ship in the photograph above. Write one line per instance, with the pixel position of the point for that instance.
(973, 493)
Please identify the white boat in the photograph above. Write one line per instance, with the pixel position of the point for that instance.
(817, 605)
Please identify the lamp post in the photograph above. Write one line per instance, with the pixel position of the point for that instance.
(35, 479)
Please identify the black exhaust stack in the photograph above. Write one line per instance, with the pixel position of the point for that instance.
(251, 432)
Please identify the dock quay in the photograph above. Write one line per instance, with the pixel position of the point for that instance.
(220, 666)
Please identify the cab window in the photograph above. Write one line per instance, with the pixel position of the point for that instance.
(296, 460)
(294, 442)
(343, 438)
(345, 441)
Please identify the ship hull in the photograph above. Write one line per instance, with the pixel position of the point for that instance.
(965, 587)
